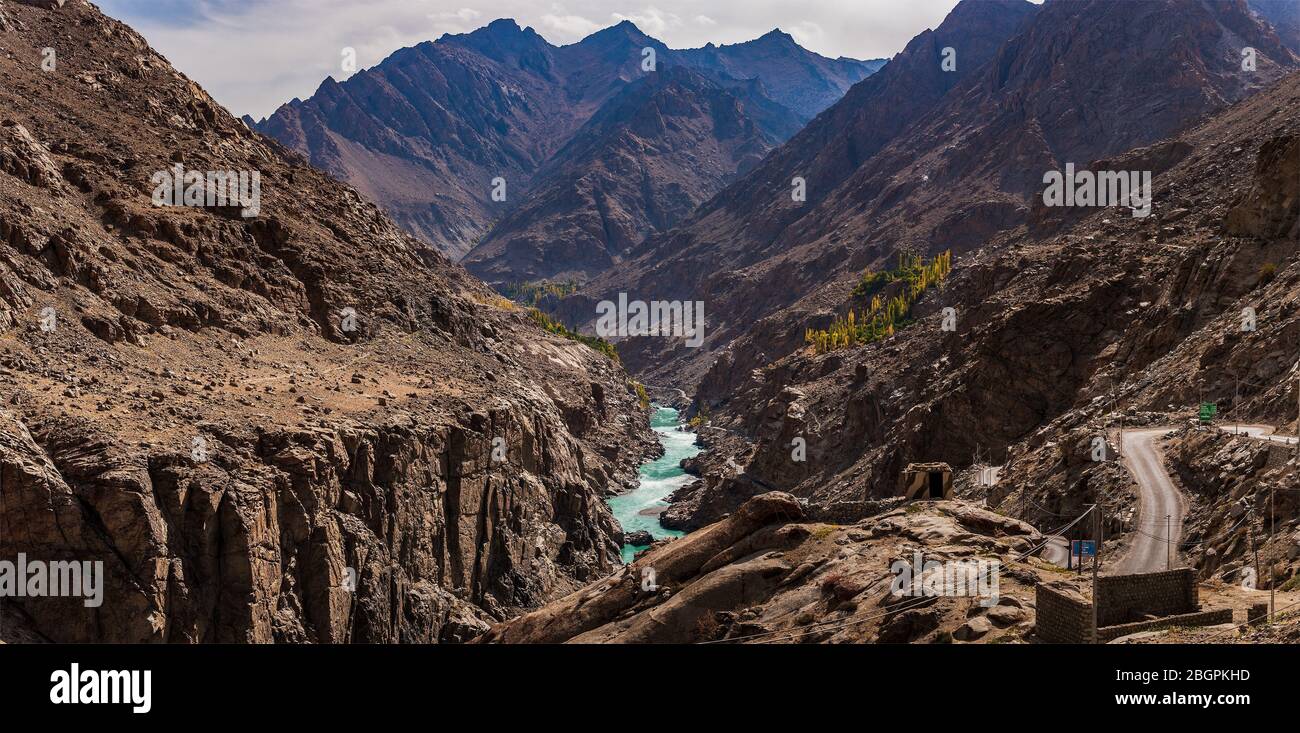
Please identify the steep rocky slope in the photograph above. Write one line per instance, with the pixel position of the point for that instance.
(300, 425)
(952, 179)
(742, 224)
(1284, 16)
(1245, 506)
(767, 574)
(640, 165)
(425, 132)
(1066, 329)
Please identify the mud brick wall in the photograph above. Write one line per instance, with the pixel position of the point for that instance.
(1060, 618)
(1200, 618)
(1129, 598)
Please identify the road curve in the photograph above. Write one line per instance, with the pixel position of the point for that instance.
(1259, 432)
(1148, 551)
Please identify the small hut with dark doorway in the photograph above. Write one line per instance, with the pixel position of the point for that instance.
(925, 481)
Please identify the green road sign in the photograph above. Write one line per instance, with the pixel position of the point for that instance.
(1208, 411)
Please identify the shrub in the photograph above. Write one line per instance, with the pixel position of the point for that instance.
(642, 397)
(700, 418)
(842, 587)
(707, 627)
(559, 329)
(1267, 272)
(494, 300)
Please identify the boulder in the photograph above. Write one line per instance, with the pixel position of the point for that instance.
(638, 538)
(1006, 615)
(973, 629)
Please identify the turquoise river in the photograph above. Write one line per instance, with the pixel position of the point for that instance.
(640, 508)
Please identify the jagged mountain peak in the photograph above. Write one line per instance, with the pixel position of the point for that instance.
(776, 36)
(503, 40)
(424, 131)
(654, 151)
(625, 33)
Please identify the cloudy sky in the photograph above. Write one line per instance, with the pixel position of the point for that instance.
(254, 55)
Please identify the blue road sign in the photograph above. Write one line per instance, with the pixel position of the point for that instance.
(1083, 548)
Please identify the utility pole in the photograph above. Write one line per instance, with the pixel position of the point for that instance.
(1096, 559)
(1272, 528)
(1169, 541)
(1254, 549)
(1101, 537)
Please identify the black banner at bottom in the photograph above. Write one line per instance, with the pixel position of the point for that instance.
(242, 683)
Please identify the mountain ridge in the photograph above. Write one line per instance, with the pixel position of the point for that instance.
(977, 142)
(496, 103)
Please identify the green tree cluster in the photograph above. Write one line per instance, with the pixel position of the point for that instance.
(883, 315)
(532, 293)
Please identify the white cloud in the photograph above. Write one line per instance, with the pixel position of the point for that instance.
(808, 34)
(652, 21)
(463, 20)
(253, 55)
(570, 28)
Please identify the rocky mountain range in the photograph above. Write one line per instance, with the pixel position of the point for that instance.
(285, 417)
(295, 423)
(640, 165)
(427, 131)
(1066, 325)
(1066, 321)
(950, 178)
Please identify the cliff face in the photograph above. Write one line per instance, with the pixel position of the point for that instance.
(1284, 16)
(296, 425)
(1063, 329)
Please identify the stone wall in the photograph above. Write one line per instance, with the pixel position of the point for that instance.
(1257, 614)
(1130, 598)
(1200, 618)
(849, 512)
(1063, 616)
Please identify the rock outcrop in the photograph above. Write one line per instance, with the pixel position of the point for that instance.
(766, 575)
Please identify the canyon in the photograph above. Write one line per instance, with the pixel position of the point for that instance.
(304, 422)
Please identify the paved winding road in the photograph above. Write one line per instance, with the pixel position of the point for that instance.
(1259, 432)
(1158, 497)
